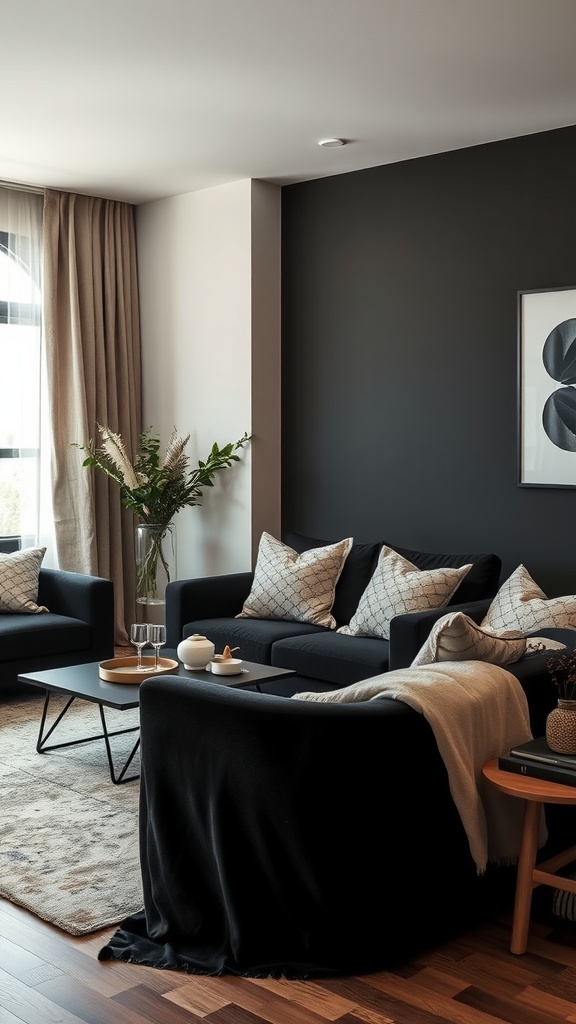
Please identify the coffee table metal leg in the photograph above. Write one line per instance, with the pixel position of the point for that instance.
(41, 742)
(122, 777)
(42, 746)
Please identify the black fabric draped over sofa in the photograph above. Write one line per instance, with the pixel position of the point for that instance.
(291, 838)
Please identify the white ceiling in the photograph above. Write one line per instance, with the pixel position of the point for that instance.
(141, 99)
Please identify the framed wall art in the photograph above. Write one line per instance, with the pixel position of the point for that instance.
(547, 387)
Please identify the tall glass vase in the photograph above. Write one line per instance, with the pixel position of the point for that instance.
(155, 551)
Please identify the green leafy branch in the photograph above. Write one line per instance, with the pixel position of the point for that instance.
(156, 489)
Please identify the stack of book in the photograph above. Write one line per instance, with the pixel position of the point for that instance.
(539, 761)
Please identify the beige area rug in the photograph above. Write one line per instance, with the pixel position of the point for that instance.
(68, 835)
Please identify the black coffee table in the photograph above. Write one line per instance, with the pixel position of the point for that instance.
(82, 682)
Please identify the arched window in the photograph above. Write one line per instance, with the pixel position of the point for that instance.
(21, 378)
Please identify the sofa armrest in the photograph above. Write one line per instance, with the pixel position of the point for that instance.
(79, 596)
(207, 597)
(409, 632)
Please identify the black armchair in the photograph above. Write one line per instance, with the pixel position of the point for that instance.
(78, 626)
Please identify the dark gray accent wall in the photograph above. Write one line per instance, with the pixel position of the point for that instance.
(399, 351)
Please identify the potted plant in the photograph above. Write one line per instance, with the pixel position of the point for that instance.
(155, 488)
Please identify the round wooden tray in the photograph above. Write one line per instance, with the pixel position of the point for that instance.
(123, 670)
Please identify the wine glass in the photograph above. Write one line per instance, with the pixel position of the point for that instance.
(156, 637)
(139, 637)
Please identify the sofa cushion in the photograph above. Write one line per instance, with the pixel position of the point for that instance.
(481, 582)
(332, 657)
(521, 604)
(254, 637)
(397, 587)
(19, 572)
(295, 587)
(51, 634)
(456, 637)
(357, 572)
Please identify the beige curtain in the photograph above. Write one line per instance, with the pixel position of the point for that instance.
(93, 356)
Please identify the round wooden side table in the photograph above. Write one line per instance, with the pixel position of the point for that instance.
(534, 793)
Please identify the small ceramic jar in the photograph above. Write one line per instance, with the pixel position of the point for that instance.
(196, 651)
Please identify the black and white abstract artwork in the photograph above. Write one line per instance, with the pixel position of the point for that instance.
(547, 387)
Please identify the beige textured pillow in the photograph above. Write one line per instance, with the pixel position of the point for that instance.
(19, 573)
(396, 587)
(297, 588)
(521, 604)
(456, 637)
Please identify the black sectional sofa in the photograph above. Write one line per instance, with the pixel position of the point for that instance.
(321, 657)
(306, 838)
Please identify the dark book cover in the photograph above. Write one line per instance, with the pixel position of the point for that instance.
(538, 770)
(538, 750)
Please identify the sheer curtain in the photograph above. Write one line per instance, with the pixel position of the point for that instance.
(25, 444)
(94, 367)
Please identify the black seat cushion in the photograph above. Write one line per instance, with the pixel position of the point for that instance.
(254, 637)
(332, 657)
(26, 636)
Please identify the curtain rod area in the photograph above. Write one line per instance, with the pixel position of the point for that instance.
(21, 187)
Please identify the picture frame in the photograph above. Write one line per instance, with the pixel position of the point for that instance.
(547, 387)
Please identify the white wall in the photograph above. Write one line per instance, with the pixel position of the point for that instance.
(209, 268)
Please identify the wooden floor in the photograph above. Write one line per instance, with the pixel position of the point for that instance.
(49, 977)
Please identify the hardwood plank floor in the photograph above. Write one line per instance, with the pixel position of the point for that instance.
(50, 977)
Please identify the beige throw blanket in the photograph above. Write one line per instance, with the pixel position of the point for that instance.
(477, 711)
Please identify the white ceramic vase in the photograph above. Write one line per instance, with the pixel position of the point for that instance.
(196, 651)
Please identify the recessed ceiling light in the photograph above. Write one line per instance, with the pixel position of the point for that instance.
(331, 143)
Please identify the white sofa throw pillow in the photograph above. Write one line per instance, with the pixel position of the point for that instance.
(521, 604)
(295, 587)
(397, 586)
(456, 637)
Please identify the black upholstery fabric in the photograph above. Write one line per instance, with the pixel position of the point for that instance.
(25, 636)
(210, 597)
(287, 838)
(254, 637)
(332, 657)
(78, 627)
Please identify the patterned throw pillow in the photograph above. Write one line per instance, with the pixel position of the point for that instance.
(297, 588)
(456, 637)
(521, 604)
(396, 587)
(19, 573)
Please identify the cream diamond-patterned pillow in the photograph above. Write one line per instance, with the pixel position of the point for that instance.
(396, 587)
(19, 573)
(298, 588)
(456, 637)
(521, 604)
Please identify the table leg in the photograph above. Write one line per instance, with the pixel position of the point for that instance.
(42, 746)
(121, 777)
(525, 880)
(41, 742)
